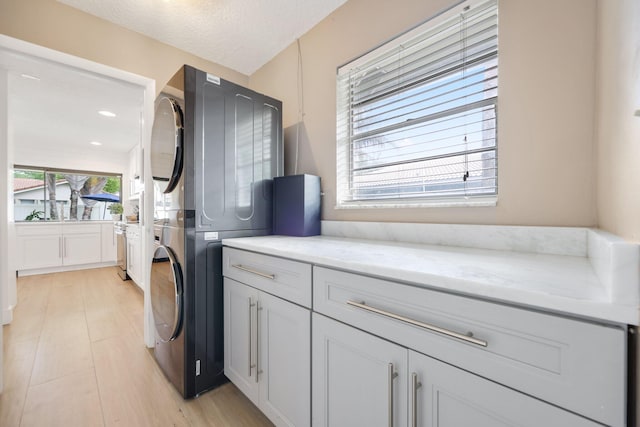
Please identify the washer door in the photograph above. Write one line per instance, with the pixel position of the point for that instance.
(166, 293)
(167, 145)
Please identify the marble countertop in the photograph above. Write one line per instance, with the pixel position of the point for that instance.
(561, 283)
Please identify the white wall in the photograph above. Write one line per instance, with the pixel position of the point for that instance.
(108, 162)
(88, 160)
(4, 213)
(618, 129)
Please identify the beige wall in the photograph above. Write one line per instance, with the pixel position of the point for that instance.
(63, 28)
(546, 106)
(546, 110)
(618, 130)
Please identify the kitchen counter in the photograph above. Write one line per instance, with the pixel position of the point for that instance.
(586, 273)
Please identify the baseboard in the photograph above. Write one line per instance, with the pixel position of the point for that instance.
(62, 268)
(7, 316)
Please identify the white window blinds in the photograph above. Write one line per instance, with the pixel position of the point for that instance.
(417, 117)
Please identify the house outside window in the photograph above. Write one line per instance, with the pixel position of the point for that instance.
(41, 194)
(417, 117)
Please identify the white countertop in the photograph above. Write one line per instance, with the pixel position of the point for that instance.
(561, 283)
(67, 222)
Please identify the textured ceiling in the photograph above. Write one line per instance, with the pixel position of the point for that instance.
(240, 34)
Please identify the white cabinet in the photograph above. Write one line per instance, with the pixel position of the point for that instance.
(81, 244)
(356, 377)
(283, 354)
(360, 379)
(267, 337)
(43, 246)
(39, 246)
(267, 352)
(387, 353)
(239, 367)
(134, 256)
(135, 172)
(134, 162)
(109, 243)
(549, 357)
(444, 396)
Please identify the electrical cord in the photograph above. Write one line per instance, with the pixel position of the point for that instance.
(300, 81)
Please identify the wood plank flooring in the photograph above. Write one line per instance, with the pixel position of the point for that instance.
(74, 355)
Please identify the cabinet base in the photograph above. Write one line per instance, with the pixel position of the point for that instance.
(62, 268)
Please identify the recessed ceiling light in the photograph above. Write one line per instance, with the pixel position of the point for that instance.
(106, 113)
(29, 76)
(95, 143)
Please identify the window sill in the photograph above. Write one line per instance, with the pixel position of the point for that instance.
(436, 203)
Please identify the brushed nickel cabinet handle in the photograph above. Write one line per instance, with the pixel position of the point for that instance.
(392, 376)
(251, 365)
(258, 310)
(463, 337)
(59, 247)
(415, 385)
(258, 273)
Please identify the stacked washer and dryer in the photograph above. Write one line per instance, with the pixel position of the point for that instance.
(215, 148)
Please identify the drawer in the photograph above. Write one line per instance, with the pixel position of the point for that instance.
(38, 229)
(576, 365)
(290, 280)
(69, 229)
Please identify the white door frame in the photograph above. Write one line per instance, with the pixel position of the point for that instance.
(7, 270)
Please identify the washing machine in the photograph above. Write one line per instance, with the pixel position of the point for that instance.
(215, 148)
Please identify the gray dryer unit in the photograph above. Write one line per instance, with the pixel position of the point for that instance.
(215, 150)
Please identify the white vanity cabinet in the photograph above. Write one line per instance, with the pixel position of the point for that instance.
(267, 338)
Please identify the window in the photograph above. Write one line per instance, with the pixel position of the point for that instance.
(416, 117)
(46, 194)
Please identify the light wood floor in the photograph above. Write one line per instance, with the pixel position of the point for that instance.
(74, 356)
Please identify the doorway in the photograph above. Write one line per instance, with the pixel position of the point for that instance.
(60, 82)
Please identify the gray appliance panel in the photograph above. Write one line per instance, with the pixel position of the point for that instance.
(235, 136)
(232, 142)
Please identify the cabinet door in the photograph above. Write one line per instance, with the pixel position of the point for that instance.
(133, 259)
(39, 251)
(81, 248)
(284, 352)
(134, 162)
(451, 397)
(108, 240)
(239, 337)
(354, 377)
